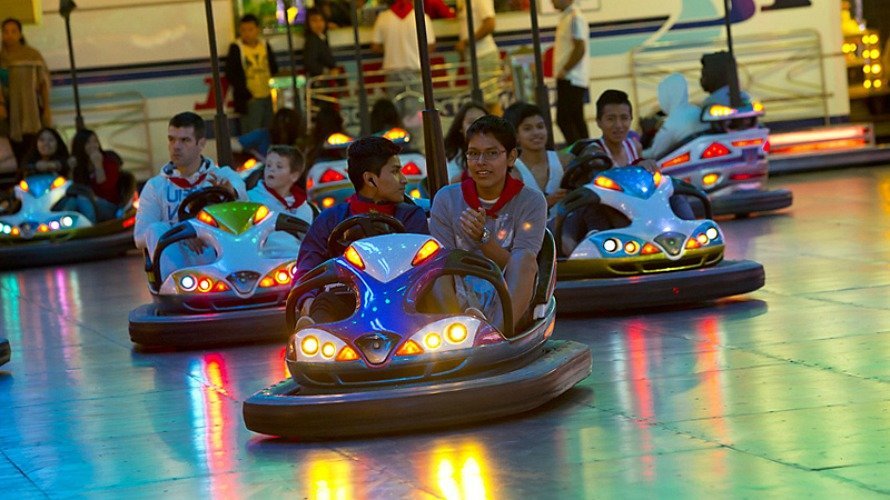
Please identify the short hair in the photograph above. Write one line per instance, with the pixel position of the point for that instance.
(716, 70)
(294, 156)
(501, 129)
(519, 111)
(612, 96)
(16, 22)
(368, 154)
(249, 18)
(187, 119)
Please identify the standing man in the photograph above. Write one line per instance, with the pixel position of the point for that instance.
(250, 64)
(487, 53)
(395, 36)
(570, 64)
(187, 171)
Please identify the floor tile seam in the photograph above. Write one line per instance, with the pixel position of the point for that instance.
(24, 474)
(839, 467)
(64, 317)
(822, 368)
(797, 340)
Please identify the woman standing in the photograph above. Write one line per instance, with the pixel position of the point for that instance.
(27, 105)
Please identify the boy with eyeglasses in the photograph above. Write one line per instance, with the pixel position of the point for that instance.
(494, 213)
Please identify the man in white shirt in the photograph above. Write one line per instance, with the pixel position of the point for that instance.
(488, 56)
(395, 36)
(570, 65)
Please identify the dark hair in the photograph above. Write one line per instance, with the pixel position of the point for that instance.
(385, 116)
(517, 112)
(61, 154)
(286, 127)
(187, 119)
(368, 154)
(294, 156)
(454, 139)
(501, 129)
(314, 11)
(612, 96)
(249, 18)
(81, 172)
(15, 22)
(716, 70)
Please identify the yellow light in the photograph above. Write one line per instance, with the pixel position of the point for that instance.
(692, 243)
(657, 178)
(267, 282)
(15, 231)
(710, 179)
(58, 182)
(867, 84)
(877, 83)
(395, 134)
(875, 53)
(415, 193)
(720, 110)
(261, 213)
(24, 185)
(456, 333)
(432, 340)
(247, 165)
(430, 248)
(309, 345)
(42, 228)
(347, 354)
(409, 348)
(702, 238)
(282, 277)
(631, 247)
(866, 69)
(327, 202)
(207, 219)
(351, 255)
(204, 285)
(328, 350)
(876, 68)
(605, 182)
(338, 139)
(292, 14)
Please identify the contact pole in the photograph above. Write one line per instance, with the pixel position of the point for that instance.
(293, 60)
(364, 119)
(220, 122)
(65, 8)
(542, 95)
(735, 95)
(432, 125)
(476, 91)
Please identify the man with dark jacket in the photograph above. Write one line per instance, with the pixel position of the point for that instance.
(250, 64)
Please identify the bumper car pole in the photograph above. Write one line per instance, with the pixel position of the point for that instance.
(541, 92)
(220, 122)
(432, 124)
(364, 120)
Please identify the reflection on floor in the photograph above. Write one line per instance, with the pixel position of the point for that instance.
(785, 391)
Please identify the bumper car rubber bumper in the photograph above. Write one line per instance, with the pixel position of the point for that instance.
(5, 351)
(289, 410)
(45, 252)
(659, 289)
(750, 201)
(150, 329)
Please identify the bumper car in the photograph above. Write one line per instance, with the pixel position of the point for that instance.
(396, 365)
(728, 162)
(33, 234)
(327, 182)
(5, 351)
(237, 297)
(621, 245)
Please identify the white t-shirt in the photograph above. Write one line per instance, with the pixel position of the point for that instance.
(553, 179)
(482, 10)
(399, 39)
(572, 26)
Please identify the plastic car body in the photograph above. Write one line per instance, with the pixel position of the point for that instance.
(392, 366)
(237, 297)
(729, 162)
(36, 235)
(327, 182)
(654, 258)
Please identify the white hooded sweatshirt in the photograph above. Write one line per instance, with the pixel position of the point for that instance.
(683, 118)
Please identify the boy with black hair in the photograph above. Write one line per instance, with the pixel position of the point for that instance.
(250, 63)
(614, 114)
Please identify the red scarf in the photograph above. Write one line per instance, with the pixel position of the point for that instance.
(512, 187)
(359, 206)
(184, 183)
(402, 8)
(296, 191)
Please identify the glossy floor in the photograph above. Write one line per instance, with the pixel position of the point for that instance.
(785, 392)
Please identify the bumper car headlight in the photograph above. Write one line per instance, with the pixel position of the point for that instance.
(315, 345)
(448, 334)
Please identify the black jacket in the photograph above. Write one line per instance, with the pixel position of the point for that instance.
(317, 55)
(238, 79)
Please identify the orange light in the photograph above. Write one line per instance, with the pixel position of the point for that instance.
(710, 179)
(282, 277)
(605, 182)
(42, 228)
(261, 213)
(747, 142)
(677, 160)
(715, 150)
(205, 284)
(396, 134)
(429, 249)
(409, 348)
(15, 231)
(327, 202)
(338, 139)
(220, 287)
(757, 106)
(267, 282)
(719, 110)
(207, 219)
(348, 354)
(649, 249)
(309, 183)
(657, 178)
(631, 247)
(351, 255)
(58, 182)
(692, 244)
(24, 185)
(249, 164)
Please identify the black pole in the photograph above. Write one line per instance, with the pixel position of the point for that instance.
(220, 122)
(293, 61)
(432, 125)
(65, 8)
(542, 96)
(364, 119)
(735, 95)
(476, 91)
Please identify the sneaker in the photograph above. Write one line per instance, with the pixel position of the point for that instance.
(304, 322)
(476, 313)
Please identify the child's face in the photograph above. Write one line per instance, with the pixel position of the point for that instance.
(277, 174)
(488, 161)
(316, 24)
(615, 122)
(532, 133)
(46, 144)
(249, 32)
(390, 184)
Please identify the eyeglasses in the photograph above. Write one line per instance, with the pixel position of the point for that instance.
(486, 156)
